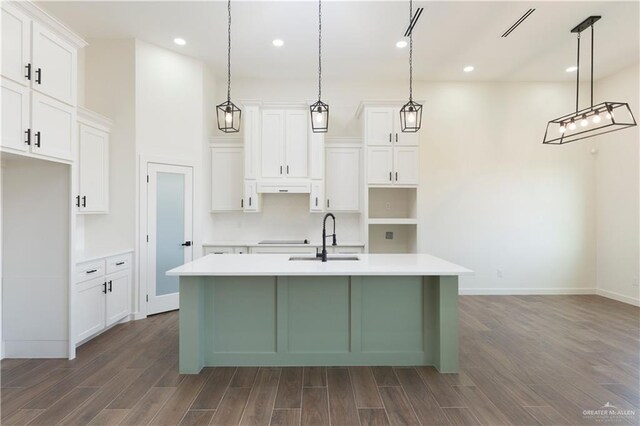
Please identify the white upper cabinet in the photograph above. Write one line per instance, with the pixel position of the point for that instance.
(251, 196)
(380, 165)
(93, 185)
(316, 200)
(405, 165)
(53, 127)
(16, 49)
(272, 143)
(16, 132)
(296, 143)
(285, 144)
(343, 179)
(54, 65)
(251, 141)
(227, 179)
(379, 126)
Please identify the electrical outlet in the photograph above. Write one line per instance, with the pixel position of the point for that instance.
(499, 273)
(388, 235)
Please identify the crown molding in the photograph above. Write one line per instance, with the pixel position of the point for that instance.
(93, 119)
(34, 12)
(382, 103)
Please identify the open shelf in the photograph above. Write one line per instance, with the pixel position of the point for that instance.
(392, 203)
(403, 238)
(393, 221)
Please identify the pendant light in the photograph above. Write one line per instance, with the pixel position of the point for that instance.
(605, 117)
(228, 114)
(319, 110)
(411, 112)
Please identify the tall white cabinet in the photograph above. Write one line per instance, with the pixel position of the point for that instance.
(93, 162)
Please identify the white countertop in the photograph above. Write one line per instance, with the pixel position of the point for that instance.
(280, 265)
(90, 255)
(257, 244)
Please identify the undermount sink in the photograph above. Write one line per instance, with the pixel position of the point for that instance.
(351, 258)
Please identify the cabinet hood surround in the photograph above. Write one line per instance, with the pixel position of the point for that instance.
(591, 122)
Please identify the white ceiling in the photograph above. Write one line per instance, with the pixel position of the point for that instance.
(359, 37)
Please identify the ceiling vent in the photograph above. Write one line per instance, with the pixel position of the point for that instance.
(517, 23)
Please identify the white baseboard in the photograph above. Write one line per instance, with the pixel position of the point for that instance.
(524, 291)
(36, 349)
(617, 296)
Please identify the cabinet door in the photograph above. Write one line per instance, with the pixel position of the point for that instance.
(379, 126)
(89, 308)
(343, 179)
(15, 116)
(15, 45)
(380, 165)
(218, 250)
(272, 146)
(94, 170)
(406, 166)
(117, 297)
(53, 124)
(251, 199)
(251, 132)
(316, 200)
(227, 178)
(296, 144)
(54, 65)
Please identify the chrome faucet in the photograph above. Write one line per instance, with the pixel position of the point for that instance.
(323, 255)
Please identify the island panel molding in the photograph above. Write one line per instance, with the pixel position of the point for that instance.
(277, 316)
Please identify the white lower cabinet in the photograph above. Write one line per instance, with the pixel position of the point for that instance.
(283, 250)
(224, 250)
(102, 298)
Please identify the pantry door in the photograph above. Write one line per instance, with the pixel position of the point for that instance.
(169, 232)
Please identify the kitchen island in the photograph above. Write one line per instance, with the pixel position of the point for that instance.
(269, 310)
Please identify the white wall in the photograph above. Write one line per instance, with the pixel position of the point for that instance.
(617, 188)
(492, 197)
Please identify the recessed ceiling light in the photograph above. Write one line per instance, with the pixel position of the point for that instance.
(278, 43)
(572, 68)
(179, 41)
(468, 68)
(401, 44)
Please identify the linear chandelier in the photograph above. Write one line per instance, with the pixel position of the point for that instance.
(228, 114)
(605, 117)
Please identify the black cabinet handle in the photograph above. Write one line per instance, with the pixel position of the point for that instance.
(104, 288)
(287, 169)
(119, 263)
(390, 177)
(249, 201)
(396, 176)
(28, 74)
(77, 201)
(92, 271)
(111, 286)
(37, 135)
(280, 169)
(242, 203)
(39, 76)
(28, 133)
(283, 190)
(396, 137)
(328, 203)
(316, 201)
(389, 137)
(186, 244)
(84, 201)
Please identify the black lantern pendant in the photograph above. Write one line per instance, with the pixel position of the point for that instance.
(605, 117)
(411, 112)
(228, 114)
(319, 110)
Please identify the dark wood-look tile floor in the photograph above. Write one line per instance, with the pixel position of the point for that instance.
(525, 360)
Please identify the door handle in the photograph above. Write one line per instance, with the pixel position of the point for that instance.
(84, 201)
(28, 133)
(110, 286)
(28, 74)
(37, 135)
(39, 76)
(104, 288)
(186, 244)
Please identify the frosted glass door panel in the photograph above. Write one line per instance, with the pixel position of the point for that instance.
(170, 230)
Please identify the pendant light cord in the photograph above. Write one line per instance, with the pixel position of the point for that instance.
(319, 49)
(410, 52)
(578, 75)
(592, 65)
(229, 52)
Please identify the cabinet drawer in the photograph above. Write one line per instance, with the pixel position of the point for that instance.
(118, 263)
(90, 270)
(218, 250)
